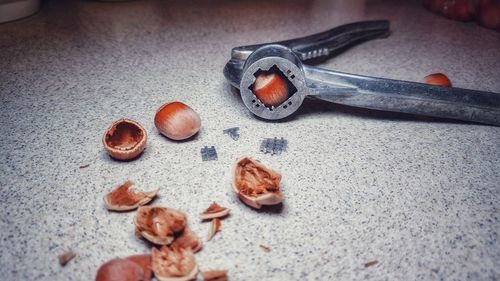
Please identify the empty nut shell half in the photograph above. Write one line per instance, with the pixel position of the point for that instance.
(125, 139)
(123, 199)
(177, 121)
(174, 264)
(255, 184)
(159, 225)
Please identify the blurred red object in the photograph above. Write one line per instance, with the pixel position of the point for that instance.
(489, 15)
(486, 12)
(438, 79)
(462, 10)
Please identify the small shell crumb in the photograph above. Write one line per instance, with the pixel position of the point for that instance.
(265, 248)
(371, 263)
(66, 257)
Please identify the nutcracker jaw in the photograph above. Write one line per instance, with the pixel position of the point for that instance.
(322, 45)
(286, 59)
(282, 61)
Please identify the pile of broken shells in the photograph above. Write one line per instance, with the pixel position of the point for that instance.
(174, 245)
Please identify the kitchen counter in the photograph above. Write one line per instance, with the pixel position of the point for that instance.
(418, 195)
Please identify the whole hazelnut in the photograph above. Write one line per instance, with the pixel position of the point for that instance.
(177, 121)
(437, 79)
(271, 89)
(120, 269)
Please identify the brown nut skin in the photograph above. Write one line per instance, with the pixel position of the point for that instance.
(255, 184)
(437, 79)
(125, 139)
(120, 270)
(177, 121)
(271, 89)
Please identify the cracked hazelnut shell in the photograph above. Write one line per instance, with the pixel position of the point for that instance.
(214, 211)
(125, 139)
(124, 199)
(255, 184)
(159, 225)
(188, 240)
(174, 264)
(177, 121)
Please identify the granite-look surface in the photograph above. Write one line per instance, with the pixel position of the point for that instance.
(419, 195)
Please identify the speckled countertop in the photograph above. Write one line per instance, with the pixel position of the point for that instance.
(421, 196)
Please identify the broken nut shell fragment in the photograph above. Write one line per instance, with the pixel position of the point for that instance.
(188, 240)
(214, 228)
(123, 199)
(66, 257)
(125, 139)
(255, 184)
(174, 264)
(159, 225)
(214, 211)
